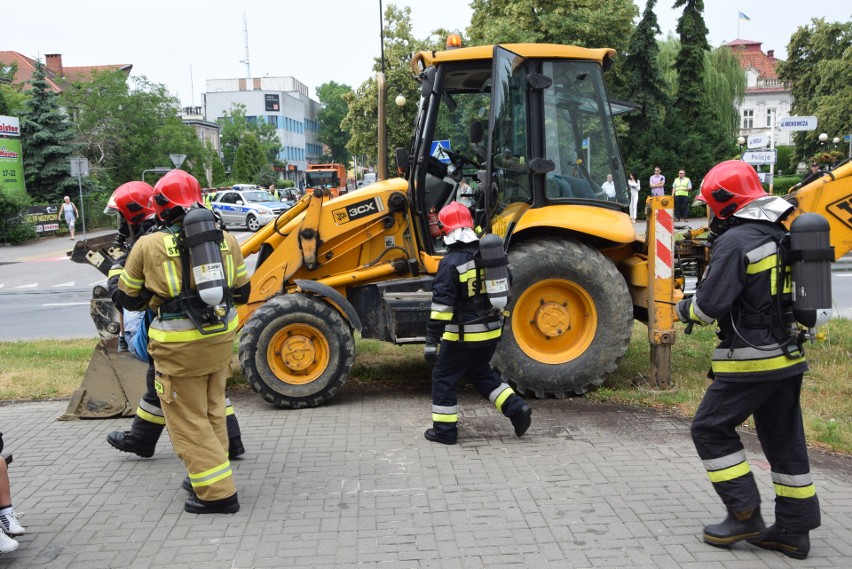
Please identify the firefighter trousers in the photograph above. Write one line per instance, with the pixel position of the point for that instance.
(148, 423)
(455, 361)
(777, 413)
(194, 409)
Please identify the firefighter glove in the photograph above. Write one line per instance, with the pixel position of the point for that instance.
(683, 309)
(430, 350)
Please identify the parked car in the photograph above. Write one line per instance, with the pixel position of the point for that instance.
(250, 206)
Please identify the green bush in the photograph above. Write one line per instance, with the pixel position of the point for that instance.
(13, 226)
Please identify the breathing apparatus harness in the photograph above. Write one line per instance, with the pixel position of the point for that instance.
(207, 305)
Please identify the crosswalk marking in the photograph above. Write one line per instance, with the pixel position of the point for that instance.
(69, 283)
(31, 285)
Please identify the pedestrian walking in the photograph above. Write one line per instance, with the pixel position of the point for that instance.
(680, 190)
(131, 202)
(757, 366)
(633, 185)
(69, 211)
(657, 183)
(191, 338)
(468, 329)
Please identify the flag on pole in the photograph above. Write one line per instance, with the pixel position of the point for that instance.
(744, 17)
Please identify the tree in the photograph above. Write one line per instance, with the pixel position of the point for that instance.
(363, 117)
(47, 140)
(250, 159)
(334, 108)
(606, 23)
(128, 126)
(234, 127)
(690, 59)
(646, 86)
(819, 72)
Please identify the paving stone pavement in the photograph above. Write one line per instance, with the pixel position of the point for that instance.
(354, 484)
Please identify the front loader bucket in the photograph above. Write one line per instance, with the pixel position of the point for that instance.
(114, 382)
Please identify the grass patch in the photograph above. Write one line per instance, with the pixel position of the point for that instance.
(48, 369)
(43, 369)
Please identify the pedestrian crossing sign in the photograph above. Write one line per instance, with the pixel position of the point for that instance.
(435, 151)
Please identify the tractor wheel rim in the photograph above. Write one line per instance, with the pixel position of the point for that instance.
(298, 354)
(554, 321)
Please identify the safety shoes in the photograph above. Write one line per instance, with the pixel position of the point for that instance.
(736, 527)
(235, 447)
(126, 442)
(7, 544)
(187, 485)
(122, 344)
(522, 420)
(795, 545)
(10, 525)
(435, 437)
(195, 505)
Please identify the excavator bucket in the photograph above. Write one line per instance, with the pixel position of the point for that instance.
(114, 381)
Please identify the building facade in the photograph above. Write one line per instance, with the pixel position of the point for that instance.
(767, 100)
(280, 101)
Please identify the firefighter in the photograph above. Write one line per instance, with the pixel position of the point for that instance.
(190, 340)
(468, 328)
(131, 201)
(756, 368)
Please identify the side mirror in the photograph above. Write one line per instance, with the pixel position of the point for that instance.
(402, 161)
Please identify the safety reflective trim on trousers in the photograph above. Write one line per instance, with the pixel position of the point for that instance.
(172, 277)
(471, 328)
(769, 364)
(443, 316)
(150, 413)
(130, 282)
(762, 252)
(724, 461)
(475, 337)
(798, 492)
(115, 271)
(466, 267)
(445, 418)
(229, 409)
(695, 313)
(499, 395)
(445, 409)
(792, 479)
(728, 474)
(742, 354)
(211, 476)
(170, 333)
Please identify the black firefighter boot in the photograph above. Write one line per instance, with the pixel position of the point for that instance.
(235, 440)
(519, 413)
(792, 544)
(140, 440)
(736, 527)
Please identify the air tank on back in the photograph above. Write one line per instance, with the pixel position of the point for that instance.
(811, 255)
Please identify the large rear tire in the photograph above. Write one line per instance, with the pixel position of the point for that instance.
(571, 318)
(296, 351)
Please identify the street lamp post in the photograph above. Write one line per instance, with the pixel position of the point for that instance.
(741, 142)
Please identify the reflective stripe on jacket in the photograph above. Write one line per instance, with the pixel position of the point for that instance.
(739, 292)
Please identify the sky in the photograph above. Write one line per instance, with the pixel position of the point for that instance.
(183, 43)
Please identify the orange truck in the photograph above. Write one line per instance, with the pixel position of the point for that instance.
(327, 176)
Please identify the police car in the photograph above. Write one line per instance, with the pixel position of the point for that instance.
(247, 205)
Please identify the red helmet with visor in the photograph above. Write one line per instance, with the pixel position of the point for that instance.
(175, 189)
(132, 200)
(729, 186)
(454, 216)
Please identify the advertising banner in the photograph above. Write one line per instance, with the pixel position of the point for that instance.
(43, 218)
(11, 164)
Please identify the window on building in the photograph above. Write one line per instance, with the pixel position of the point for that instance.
(770, 115)
(273, 120)
(748, 118)
(251, 120)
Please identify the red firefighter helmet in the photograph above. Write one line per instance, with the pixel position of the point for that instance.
(132, 200)
(454, 216)
(175, 189)
(730, 185)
